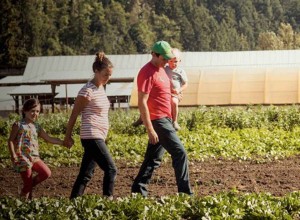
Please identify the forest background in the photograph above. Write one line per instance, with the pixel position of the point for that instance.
(79, 27)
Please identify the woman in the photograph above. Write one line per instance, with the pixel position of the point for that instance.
(93, 105)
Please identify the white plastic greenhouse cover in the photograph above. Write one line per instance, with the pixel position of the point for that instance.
(215, 78)
(240, 78)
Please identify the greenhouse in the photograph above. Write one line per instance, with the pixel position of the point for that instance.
(215, 78)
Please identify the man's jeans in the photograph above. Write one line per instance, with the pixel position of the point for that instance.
(168, 140)
(95, 152)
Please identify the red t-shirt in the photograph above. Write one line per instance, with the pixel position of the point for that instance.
(155, 82)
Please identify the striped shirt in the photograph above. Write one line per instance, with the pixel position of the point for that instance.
(94, 117)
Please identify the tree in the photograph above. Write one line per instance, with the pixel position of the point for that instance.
(165, 28)
(286, 36)
(244, 45)
(116, 38)
(69, 27)
(14, 51)
(142, 36)
(204, 26)
(140, 30)
(269, 41)
(187, 35)
(78, 35)
(226, 38)
(291, 12)
(246, 21)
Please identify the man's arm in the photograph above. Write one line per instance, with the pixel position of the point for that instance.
(144, 111)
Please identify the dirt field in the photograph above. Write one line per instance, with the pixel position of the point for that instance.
(207, 178)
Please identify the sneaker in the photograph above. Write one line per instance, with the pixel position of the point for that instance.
(137, 122)
(110, 198)
(176, 126)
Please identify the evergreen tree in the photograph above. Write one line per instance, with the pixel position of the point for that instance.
(187, 35)
(165, 28)
(140, 30)
(269, 41)
(62, 23)
(204, 26)
(287, 36)
(115, 38)
(78, 35)
(51, 44)
(73, 27)
(291, 10)
(14, 47)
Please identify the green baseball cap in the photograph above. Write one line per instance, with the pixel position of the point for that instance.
(163, 48)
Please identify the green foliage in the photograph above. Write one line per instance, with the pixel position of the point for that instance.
(6, 124)
(55, 155)
(124, 27)
(231, 205)
(255, 133)
(270, 117)
(56, 124)
(120, 122)
(258, 133)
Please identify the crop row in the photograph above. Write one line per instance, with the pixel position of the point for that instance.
(231, 205)
(264, 133)
(192, 119)
(242, 133)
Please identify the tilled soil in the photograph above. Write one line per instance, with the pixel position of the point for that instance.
(210, 177)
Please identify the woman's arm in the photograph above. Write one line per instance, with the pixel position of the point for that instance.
(80, 103)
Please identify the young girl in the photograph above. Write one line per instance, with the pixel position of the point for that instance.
(24, 148)
(93, 106)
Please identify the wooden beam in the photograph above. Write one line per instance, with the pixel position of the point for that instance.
(81, 81)
(22, 84)
(66, 81)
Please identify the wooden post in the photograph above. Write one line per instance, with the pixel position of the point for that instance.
(53, 94)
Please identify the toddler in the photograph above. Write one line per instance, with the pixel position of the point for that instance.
(179, 83)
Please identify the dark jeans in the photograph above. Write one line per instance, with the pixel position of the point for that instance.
(168, 140)
(95, 152)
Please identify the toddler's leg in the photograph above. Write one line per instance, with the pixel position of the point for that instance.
(175, 102)
(175, 108)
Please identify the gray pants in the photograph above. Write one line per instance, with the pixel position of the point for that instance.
(168, 140)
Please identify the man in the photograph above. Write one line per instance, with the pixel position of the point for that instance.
(154, 102)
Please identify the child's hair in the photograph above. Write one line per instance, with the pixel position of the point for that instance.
(29, 104)
(101, 62)
(177, 53)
